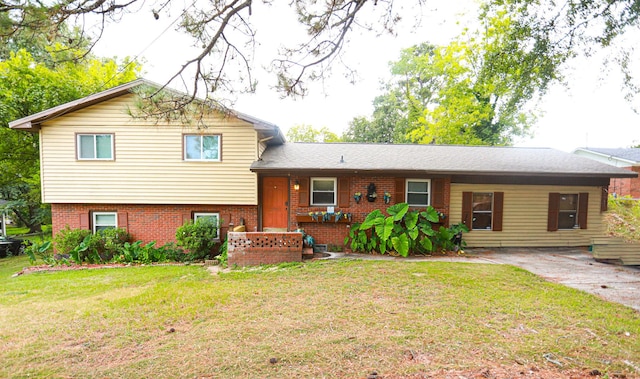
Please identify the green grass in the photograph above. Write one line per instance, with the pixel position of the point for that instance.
(20, 231)
(320, 319)
(623, 218)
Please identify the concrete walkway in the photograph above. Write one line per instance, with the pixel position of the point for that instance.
(573, 267)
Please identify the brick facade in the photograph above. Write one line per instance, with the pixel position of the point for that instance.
(147, 222)
(626, 186)
(332, 233)
(255, 248)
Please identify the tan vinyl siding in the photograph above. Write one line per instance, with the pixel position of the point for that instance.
(148, 166)
(525, 216)
(262, 146)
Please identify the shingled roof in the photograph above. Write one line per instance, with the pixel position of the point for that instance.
(431, 159)
(630, 154)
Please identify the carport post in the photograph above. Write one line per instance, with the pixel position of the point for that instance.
(4, 224)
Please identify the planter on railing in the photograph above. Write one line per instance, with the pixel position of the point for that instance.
(324, 217)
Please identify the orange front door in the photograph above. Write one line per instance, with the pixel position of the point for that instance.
(275, 202)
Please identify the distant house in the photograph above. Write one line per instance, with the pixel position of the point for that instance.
(103, 168)
(627, 158)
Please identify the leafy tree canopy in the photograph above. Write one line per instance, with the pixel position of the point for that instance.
(307, 133)
(226, 36)
(477, 90)
(28, 87)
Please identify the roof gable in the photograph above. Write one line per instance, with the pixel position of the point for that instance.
(268, 131)
(629, 155)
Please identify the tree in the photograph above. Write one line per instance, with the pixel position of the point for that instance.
(28, 87)
(476, 90)
(388, 124)
(224, 31)
(307, 133)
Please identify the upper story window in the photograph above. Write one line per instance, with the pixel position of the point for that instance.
(482, 210)
(323, 191)
(201, 147)
(568, 211)
(104, 220)
(95, 146)
(418, 192)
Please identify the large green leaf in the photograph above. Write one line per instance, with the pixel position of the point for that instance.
(413, 233)
(384, 229)
(398, 211)
(426, 244)
(401, 244)
(431, 214)
(374, 218)
(411, 219)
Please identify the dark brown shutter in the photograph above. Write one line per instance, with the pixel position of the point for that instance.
(225, 219)
(303, 193)
(437, 190)
(498, 204)
(123, 220)
(467, 209)
(399, 195)
(344, 192)
(583, 209)
(186, 217)
(84, 221)
(604, 199)
(554, 210)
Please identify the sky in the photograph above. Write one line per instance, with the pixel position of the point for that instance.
(590, 111)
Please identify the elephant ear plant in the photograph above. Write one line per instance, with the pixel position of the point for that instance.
(400, 233)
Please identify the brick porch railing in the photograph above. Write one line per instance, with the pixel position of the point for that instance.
(255, 248)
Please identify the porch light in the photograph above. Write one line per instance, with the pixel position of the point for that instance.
(296, 185)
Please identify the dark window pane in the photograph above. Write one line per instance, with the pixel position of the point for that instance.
(566, 220)
(481, 221)
(323, 198)
(417, 186)
(482, 202)
(323, 185)
(418, 198)
(568, 202)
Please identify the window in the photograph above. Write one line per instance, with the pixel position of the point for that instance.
(95, 146)
(202, 148)
(214, 217)
(104, 220)
(418, 192)
(482, 210)
(323, 191)
(568, 211)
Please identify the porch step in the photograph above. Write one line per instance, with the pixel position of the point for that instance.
(616, 250)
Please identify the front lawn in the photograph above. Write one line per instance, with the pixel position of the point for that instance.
(312, 320)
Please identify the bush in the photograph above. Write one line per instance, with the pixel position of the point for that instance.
(106, 244)
(199, 239)
(69, 239)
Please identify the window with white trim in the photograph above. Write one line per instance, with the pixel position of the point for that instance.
(201, 147)
(104, 220)
(323, 191)
(95, 146)
(418, 192)
(482, 211)
(213, 217)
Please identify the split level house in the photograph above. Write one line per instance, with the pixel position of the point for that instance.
(101, 167)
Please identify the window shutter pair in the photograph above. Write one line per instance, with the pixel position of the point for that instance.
(554, 210)
(497, 210)
(343, 192)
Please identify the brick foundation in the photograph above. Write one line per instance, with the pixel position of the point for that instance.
(148, 222)
(255, 248)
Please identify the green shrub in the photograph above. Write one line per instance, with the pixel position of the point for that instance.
(66, 240)
(401, 232)
(43, 250)
(223, 257)
(106, 244)
(199, 239)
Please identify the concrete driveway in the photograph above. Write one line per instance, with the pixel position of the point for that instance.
(573, 267)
